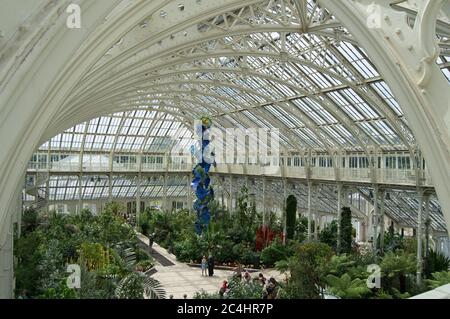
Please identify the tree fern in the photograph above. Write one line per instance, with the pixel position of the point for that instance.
(438, 279)
(345, 287)
(139, 286)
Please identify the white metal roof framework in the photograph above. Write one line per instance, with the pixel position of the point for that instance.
(275, 64)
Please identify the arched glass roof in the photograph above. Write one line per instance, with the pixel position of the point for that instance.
(270, 64)
(281, 64)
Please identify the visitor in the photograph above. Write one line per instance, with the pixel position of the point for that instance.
(262, 279)
(247, 276)
(210, 266)
(204, 265)
(271, 289)
(150, 242)
(223, 289)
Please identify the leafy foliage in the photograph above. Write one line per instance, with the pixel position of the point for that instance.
(436, 262)
(438, 279)
(274, 253)
(345, 287)
(102, 245)
(396, 268)
(308, 268)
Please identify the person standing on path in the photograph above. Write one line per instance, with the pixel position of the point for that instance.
(204, 265)
(210, 266)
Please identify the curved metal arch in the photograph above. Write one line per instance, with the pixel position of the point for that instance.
(84, 117)
(148, 100)
(385, 111)
(211, 84)
(219, 12)
(309, 124)
(315, 129)
(136, 77)
(342, 117)
(186, 46)
(218, 118)
(178, 24)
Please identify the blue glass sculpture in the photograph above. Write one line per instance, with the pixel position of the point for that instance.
(201, 184)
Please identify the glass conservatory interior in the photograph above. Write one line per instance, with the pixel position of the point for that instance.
(329, 158)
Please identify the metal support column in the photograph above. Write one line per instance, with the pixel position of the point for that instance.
(376, 218)
(80, 194)
(339, 211)
(382, 196)
(189, 193)
(138, 199)
(427, 225)
(419, 233)
(316, 213)
(284, 211)
(165, 204)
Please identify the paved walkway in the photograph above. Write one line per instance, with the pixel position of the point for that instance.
(181, 279)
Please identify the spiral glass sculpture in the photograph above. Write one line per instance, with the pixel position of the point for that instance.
(201, 182)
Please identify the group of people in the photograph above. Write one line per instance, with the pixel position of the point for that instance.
(270, 287)
(207, 266)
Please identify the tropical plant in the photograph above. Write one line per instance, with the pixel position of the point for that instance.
(346, 288)
(436, 262)
(61, 291)
(139, 286)
(438, 279)
(308, 268)
(395, 268)
(276, 251)
(301, 228)
(93, 255)
(340, 264)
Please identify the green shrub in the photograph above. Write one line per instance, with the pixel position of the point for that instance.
(240, 289)
(273, 253)
(308, 268)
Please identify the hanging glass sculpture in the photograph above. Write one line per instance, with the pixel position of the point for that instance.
(201, 183)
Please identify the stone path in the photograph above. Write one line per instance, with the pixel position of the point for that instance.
(181, 279)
